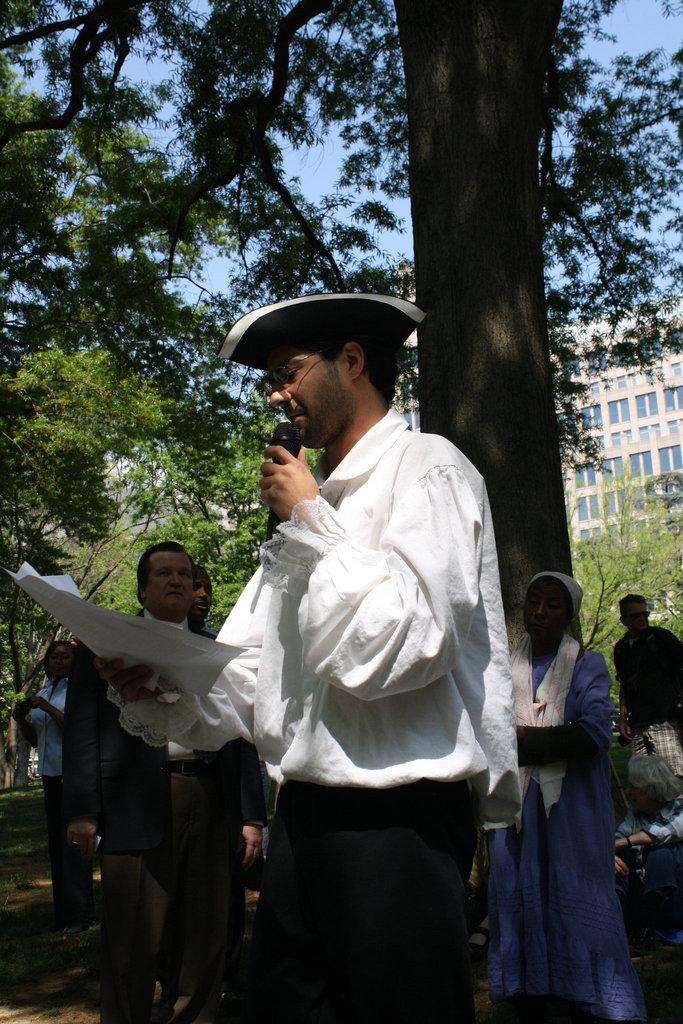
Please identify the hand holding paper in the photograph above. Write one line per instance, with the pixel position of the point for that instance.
(133, 683)
(179, 659)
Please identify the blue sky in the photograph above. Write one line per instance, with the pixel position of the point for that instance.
(638, 25)
(641, 25)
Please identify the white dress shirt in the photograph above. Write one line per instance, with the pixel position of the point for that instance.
(48, 732)
(374, 650)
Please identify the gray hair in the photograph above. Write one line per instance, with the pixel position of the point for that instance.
(653, 775)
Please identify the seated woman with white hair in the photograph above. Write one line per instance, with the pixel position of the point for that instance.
(649, 854)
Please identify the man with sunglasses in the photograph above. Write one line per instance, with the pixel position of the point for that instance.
(373, 677)
(648, 662)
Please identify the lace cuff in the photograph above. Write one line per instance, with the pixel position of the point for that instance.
(157, 721)
(308, 511)
(298, 545)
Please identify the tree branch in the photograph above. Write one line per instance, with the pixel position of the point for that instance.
(85, 48)
(281, 189)
(253, 139)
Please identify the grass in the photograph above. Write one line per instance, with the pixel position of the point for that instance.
(50, 976)
(43, 974)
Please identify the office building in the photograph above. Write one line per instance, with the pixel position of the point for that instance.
(636, 417)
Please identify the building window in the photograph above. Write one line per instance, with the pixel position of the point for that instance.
(597, 363)
(585, 475)
(611, 503)
(613, 467)
(676, 367)
(673, 398)
(594, 506)
(592, 416)
(621, 382)
(583, 509)
(644, 433)
(618, 411)
(647, 404)
(673, 426)
(624, 436)
(641, 463)
(600, 440)
(670, 458)
(585, 535)
(595, 387)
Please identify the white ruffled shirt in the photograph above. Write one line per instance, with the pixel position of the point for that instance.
(374, 650)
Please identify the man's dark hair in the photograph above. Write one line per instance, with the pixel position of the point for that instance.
(630, 599)
(143, 564)
(381, 359)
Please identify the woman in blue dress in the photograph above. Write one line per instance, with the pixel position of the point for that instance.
(558, 942)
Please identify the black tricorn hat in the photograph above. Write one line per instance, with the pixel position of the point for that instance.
(346, 316)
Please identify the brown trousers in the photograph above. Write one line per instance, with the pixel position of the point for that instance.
(172, 898)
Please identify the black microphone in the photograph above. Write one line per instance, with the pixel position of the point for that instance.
(287, 435)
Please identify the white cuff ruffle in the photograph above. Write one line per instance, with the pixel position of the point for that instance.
(156, 721)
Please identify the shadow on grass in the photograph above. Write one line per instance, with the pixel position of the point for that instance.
(43, 974)
(51, 976)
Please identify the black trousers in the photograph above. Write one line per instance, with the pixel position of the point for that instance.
(71, 872)
(361, 915)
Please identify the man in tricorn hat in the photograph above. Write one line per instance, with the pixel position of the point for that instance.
(373, 678)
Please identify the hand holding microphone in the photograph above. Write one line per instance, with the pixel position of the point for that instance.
(286, 480)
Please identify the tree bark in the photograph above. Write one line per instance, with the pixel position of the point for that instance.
(474, 74)
(14, 758)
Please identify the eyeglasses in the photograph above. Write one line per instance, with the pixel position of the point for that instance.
(285, 372)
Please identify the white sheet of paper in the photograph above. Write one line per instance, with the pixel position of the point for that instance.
(187, 661)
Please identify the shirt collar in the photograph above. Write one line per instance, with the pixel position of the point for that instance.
(178, 625)
(365, 453)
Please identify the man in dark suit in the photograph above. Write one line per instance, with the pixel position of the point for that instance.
(170, 822)
(649, 666)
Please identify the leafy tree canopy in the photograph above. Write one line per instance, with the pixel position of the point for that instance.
(140, 139)
(195, 164)
(638, 549)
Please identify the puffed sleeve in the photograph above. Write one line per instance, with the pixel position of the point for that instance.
(381, 621)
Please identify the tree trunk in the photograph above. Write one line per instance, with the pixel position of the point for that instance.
(23, 754)
(14, 758)
(474, 79)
